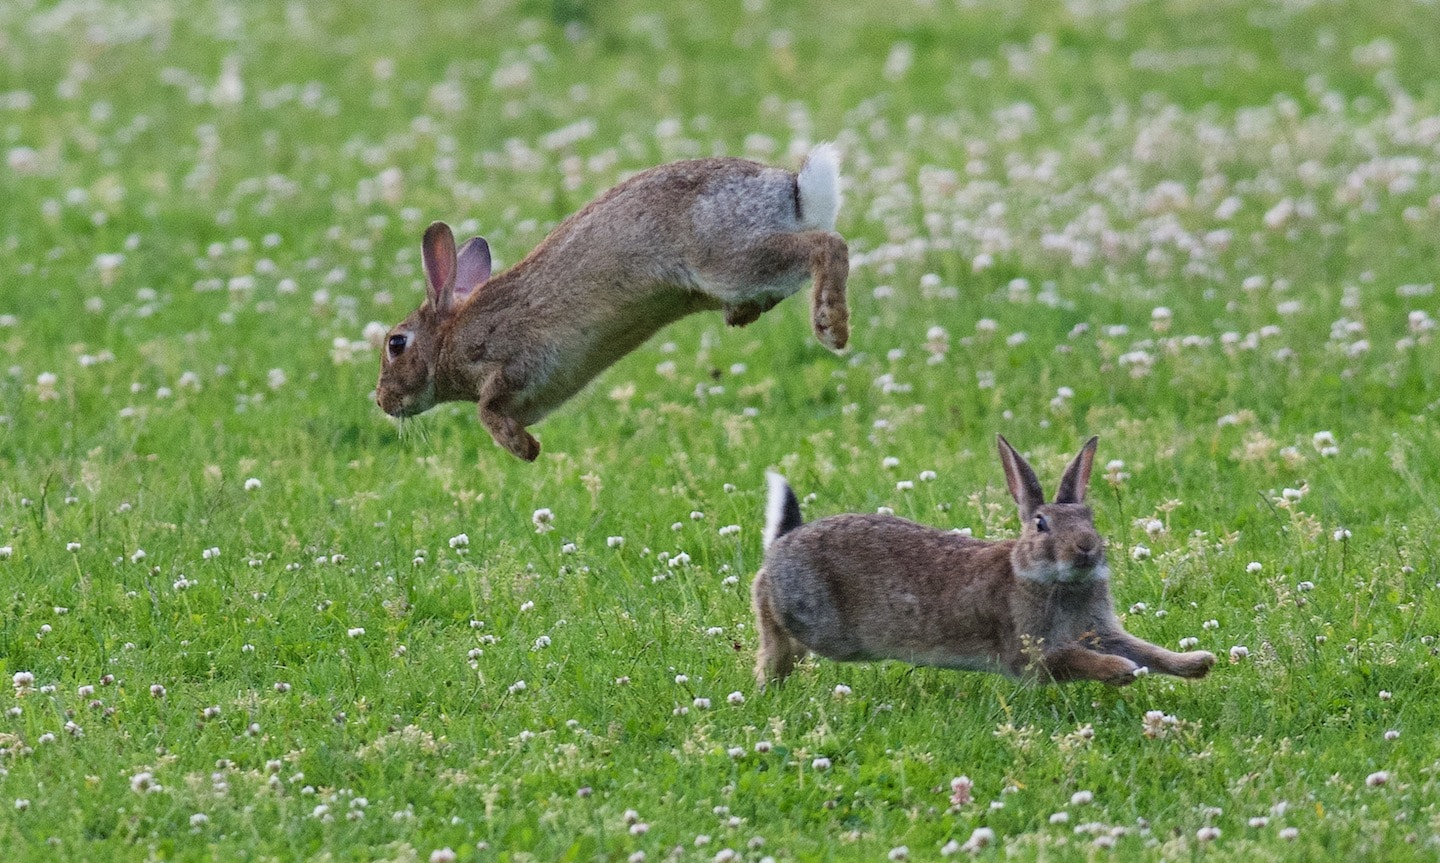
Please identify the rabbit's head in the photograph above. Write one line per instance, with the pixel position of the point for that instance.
(1058, 541)
(412, 350)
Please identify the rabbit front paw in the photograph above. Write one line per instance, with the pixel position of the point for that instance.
(523, 445)
(511, 435)
(1195, 664)
(832, 326)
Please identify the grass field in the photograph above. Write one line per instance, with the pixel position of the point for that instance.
(247, 619)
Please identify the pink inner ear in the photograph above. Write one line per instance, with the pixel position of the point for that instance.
(473, 266)
(438, 254)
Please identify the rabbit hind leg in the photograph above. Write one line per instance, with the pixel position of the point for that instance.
(778, 651)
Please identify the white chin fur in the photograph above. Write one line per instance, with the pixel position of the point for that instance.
(1055, 573)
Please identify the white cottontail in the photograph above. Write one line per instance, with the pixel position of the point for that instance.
(704, 234)
(858, 587)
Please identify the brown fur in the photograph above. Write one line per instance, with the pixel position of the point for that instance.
(689, 236)
(862, 587)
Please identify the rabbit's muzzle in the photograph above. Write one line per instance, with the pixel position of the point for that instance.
(1087, 553)
(403, 405)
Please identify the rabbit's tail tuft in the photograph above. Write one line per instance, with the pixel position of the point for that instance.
(819, 187)
(782, 509)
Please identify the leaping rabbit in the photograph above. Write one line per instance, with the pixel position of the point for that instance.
(725, 234)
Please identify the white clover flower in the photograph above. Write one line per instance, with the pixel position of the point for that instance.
(144, 783)
(210, 553)
(1210, 624)
(252, 484)
(701, 703)
(614, 541)
(890, 462)
(1375, 780)
(1254, 566)
(355, 631)
(1207, 834)
(542, 642)
(157, 691)
(1059, 817)
(899, 853)
(980, 838)
(1392, 734)
(736, 698)
(1140, 552)
(443, 855)
(6, 552)
(1082, 798)
(729, 530)
(1385, 695)
(904, 485)
(1239, 652)
(543, 520)
(517, 686)
(1189, 642)
(460, 540)
(72, 546)
(821, 763)
(1289, 834)
(1340, 535)
(762, 746)
(568, 548)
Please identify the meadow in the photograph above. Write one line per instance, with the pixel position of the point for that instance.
(247, 618)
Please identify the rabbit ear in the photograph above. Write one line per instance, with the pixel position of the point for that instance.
(1077, 475)
(438, 252)
(472, 269)
(1024, 487)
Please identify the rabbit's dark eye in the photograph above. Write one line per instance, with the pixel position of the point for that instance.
(1041, 524)
(397, 344)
